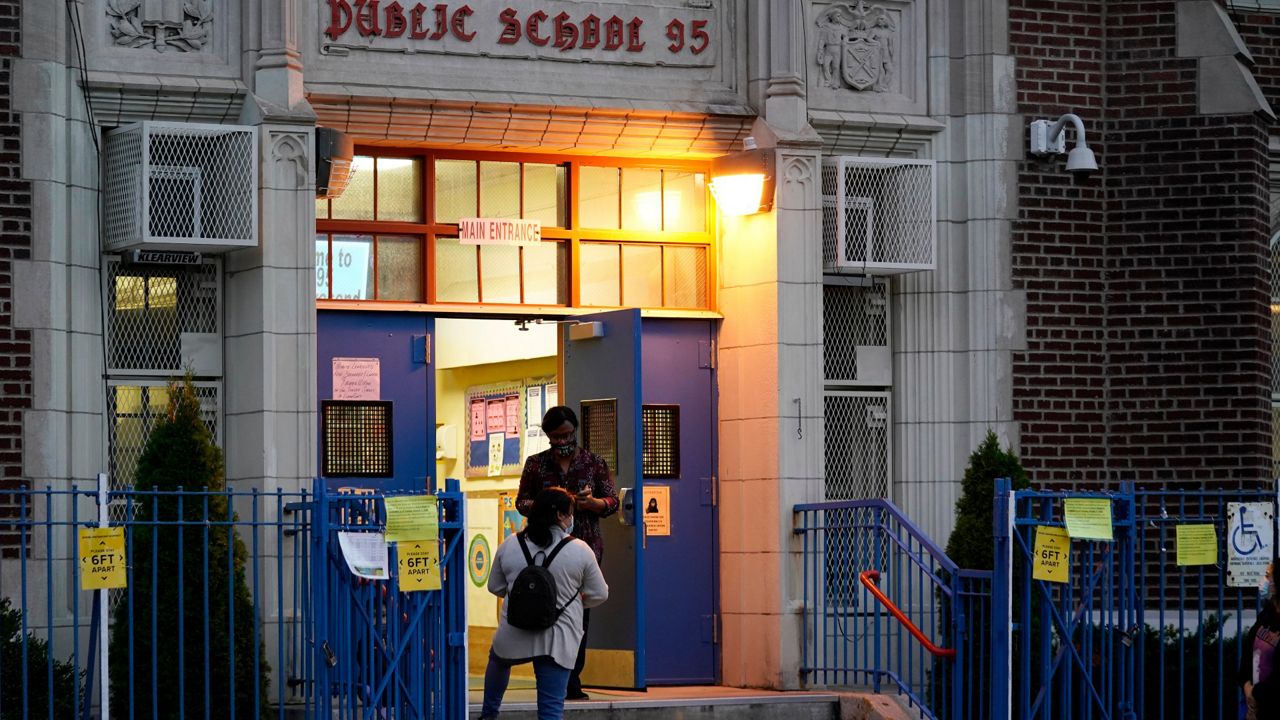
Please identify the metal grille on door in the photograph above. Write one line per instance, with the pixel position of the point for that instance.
(661, 434)
(357, 438)
(600, 430)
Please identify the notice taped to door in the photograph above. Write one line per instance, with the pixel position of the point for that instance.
(657, 510)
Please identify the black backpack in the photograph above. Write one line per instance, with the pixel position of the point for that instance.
(531, 604)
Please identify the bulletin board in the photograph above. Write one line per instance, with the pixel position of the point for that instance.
(506, 418)
(494, 421)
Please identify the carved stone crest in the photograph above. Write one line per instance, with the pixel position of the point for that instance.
(857, 47)
(161, 24)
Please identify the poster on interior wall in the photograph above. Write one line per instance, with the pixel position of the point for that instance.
(536, 405)
(477, 420)
(484, 535)
(509, 518)
(487, 416)
(357, 378)
(513, 416)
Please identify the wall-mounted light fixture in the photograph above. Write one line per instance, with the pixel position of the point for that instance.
(742, 182)
(334, 151)
(1049, 138)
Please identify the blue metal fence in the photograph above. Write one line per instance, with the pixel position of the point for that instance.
(858, 632)
(382, 652)
(1132, 634)
(188, 636)
(223, 588)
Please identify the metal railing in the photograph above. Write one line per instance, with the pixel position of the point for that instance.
(214, 621)
(851, 639)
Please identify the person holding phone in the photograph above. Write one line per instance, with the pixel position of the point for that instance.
(584, 475)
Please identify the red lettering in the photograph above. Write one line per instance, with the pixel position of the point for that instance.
(633, 35)
(675, 33)
(531, 28)
(566, 33)
(367, 18)
(396, 24)
(590, 32)
(613, 33)
(339, 18)
(442, 21)
(417, 30)
(700, 37)
(510, 27)
(458, 23)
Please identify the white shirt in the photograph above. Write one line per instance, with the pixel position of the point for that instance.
(575, 570)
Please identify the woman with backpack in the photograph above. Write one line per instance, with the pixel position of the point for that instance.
(547, 578)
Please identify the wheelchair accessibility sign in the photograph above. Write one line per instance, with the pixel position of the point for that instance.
(1250, 542)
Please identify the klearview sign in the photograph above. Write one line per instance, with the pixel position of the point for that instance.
(631, 33)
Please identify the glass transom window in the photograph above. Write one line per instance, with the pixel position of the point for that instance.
(613, 233)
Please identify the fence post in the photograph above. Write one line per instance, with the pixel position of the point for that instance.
(959, 633)
(103, 609)
(1002, 602)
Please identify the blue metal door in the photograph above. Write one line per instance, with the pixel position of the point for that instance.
(679, 396)
(602, 383)
(402, 345)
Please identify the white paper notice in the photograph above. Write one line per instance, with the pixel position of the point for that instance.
(657, 510)
(357, 379)
(553, 395)
(496, 445)
(533, 406)
(365, 553)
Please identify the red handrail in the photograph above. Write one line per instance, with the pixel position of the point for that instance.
(869, 578)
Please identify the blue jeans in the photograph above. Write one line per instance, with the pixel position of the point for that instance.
(552, 681)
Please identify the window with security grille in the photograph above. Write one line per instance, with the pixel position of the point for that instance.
(133, 409)
(356, 438)
(855, 331)
(857, 445)
(661, 435)
(1275, 355)
(152, 310)
(600, 429)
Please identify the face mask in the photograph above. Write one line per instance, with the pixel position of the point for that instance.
(1267, 587)
(566, 448)
(569, 530)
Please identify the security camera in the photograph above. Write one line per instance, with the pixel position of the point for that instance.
(1048, 138)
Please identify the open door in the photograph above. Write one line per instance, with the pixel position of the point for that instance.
(602, 383)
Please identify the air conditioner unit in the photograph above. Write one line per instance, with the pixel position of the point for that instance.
(879, 215)
(181, 186)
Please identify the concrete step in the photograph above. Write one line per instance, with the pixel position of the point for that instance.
(750, 706)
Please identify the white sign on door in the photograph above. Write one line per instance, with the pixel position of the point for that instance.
(357, 379)
(1250, 540)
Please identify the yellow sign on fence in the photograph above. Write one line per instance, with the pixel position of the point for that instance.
(1197, 544)
(412, 517)
(1052, 555)
(102, 559)
(1088, 518)
(419, 565)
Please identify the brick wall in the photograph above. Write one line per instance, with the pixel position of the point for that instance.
(1147, 284)
(15, 244)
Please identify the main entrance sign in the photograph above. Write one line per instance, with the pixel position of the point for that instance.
(628, 33)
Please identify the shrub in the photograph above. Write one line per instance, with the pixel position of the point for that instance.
(970, 545)
(38, 662)
(181, 455)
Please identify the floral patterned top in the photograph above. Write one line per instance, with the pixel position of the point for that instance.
(542, 471)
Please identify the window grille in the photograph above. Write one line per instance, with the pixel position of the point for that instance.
(600, 429)
(179, 186)
(163, 319)
(357, 438)
(855, 325)
(133, 409)
(878, 215)
(857, 444)
(661, 436)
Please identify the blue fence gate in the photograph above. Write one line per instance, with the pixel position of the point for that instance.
(1131, 633)
(382, 652)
